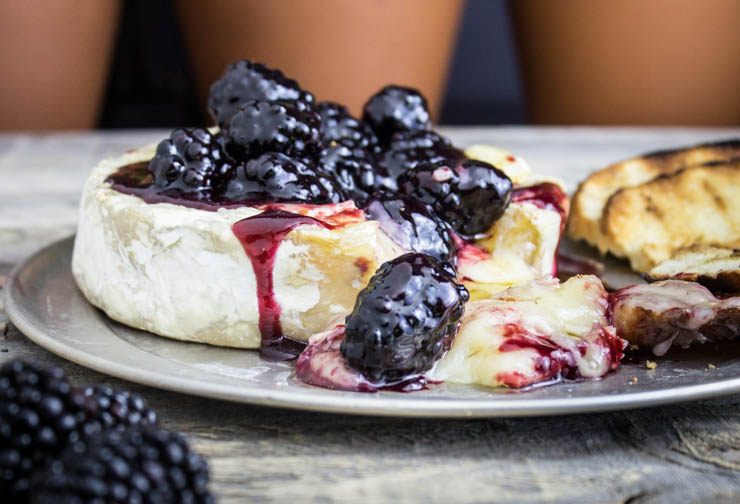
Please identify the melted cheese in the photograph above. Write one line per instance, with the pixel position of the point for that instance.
(532, 333)
(520, 247)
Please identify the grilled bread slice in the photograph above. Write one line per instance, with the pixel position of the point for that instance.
(673, 313)
(699, 205)
(591, 197)
(714, 267)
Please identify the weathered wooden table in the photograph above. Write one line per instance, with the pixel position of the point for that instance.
(683, 453)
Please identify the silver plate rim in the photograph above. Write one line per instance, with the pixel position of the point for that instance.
(390, 404)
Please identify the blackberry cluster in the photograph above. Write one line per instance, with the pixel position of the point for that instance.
(39, 414)
(275, 177)
(412, 225)
(286, 148)
(246, 80)
(42, 416)
(125, 465)
(470, 195)
(339, 127)
(115, 407)
(266, 117)
(407, 149)
(352, 168)
(262, 126)
(394, 109)
(404, 320)
(190, 161)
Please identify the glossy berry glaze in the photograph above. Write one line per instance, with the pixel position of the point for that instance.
(137, 180)
(404, 319)
(261, 236)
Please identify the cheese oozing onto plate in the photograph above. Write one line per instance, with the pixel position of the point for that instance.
(533, 333)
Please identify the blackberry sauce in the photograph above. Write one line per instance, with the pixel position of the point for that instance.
(261, 236)
(137, 180)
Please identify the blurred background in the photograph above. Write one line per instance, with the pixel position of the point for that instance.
(70, 64)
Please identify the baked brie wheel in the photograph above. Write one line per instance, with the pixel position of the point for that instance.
(294, 222)
(182, 273)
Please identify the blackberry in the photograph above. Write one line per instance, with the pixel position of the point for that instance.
(351, 168)
(261, 126)
(39, 414)
(403, 320)
(409, 148)
(190, 161)
(274, 177)
(338, 126)
(412, 225)
(244, 81)
(147, 465)
(396, 108)
(470, 196)
(115, 407)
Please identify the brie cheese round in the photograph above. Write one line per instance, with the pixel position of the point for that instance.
(182, 273)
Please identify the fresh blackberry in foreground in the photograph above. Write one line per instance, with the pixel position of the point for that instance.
(190, 161)
(409, 148)
(412, 225)
(246, 80)
(403, 320)
(261, 126)
(146, 465)
(338, 126)
(396, 108)
(470, 196)
(39, 414)
(114, 407)
(275, 177)
(351, 168)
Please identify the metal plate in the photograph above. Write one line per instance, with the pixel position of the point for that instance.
(43, 301)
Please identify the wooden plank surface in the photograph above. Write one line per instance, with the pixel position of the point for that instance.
(683, 453)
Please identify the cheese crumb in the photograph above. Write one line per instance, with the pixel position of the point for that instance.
(634, 379)
(651, 365)
(711, 366)
(633, 347)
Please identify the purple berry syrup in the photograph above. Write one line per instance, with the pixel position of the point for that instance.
(261, 237)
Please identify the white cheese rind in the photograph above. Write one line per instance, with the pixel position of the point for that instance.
(181, 272)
